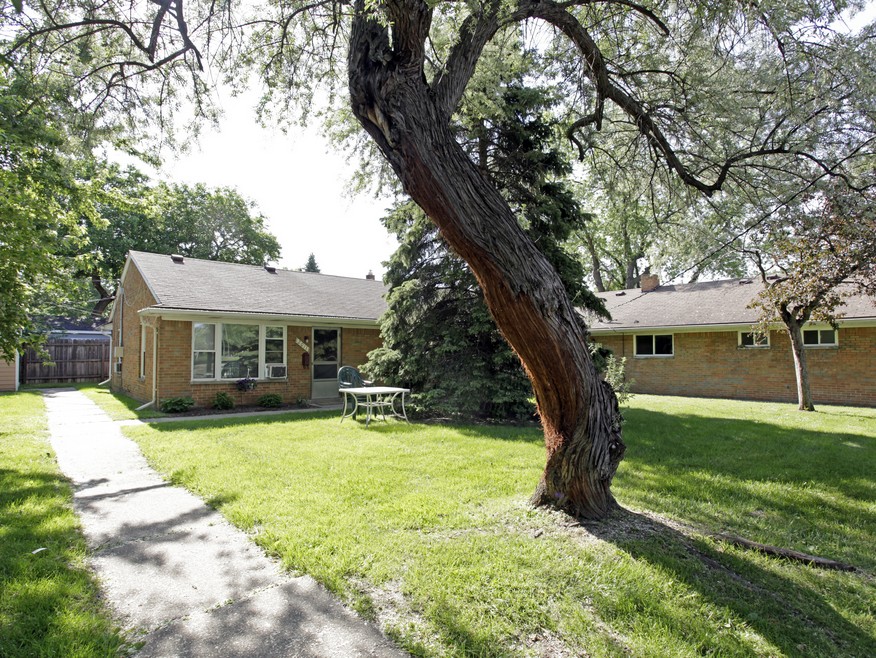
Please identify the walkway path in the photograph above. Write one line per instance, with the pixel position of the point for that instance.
(175, 571)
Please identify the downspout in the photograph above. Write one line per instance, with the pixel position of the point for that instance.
(109, 375)
(152, 402)
(118, 300)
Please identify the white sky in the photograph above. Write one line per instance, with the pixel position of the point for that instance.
(300, 184)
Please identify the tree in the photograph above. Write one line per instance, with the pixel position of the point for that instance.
(40, 202)
(821, 250)
(725, 96)
(310, 265)
(192, 220)
(439, 338)
(212, 224)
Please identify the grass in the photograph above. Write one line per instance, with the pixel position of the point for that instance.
(426, 528)
(117, 405)
(49, 603)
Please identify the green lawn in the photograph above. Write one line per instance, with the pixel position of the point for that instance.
(426, 529)
(49, 603)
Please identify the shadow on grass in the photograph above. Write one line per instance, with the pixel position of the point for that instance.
(796, 485)
(788, 614)
(48, 601)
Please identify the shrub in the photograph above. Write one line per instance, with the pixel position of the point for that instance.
(270, 400)
(612, 370)
(176, 405)
(223, 401)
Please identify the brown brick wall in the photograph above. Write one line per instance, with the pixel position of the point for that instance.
(135, 296)
(712, 365)
(175, 370)
(355, 345)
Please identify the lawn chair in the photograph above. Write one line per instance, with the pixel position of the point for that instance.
(349, 377)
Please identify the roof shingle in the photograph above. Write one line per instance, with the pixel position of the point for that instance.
(206, 285)
(699, 305)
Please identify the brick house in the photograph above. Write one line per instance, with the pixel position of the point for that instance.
(185, 327)
(696, 340)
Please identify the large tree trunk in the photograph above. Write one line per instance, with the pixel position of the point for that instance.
(579, 412)
(801, 371)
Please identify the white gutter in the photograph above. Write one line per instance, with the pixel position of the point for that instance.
(154, 370)
(705, 328)
(306, 320)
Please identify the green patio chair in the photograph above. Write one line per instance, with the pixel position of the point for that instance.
(349, 377)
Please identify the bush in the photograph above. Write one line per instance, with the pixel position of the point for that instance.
(176, 405)
(270, 400)
(612, 370)
(223, 401)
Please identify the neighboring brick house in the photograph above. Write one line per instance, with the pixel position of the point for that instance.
(184, 327)
(696, 340)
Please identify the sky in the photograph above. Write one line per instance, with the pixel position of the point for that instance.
(300, 183)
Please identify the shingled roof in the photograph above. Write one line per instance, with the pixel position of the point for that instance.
(213, 286)
(700, 305)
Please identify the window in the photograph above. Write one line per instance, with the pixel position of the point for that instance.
(142, 351)
(275, 346)
(819, 338)
(204, 351)
(235, 351)
(753, 339)
(654, 345)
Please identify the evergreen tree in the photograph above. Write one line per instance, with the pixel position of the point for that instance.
(439, 337)
(311, 265)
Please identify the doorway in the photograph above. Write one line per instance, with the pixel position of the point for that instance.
(326, 356)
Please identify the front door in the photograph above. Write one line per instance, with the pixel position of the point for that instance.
(326, 354)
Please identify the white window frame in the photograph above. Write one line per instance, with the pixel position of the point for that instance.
(142, 351)
(820, 345)
(217, 349)
(755, 338)
(653, 346)
(263, 338)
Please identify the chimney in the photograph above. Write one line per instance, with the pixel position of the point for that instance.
(370, 275)
(649, 282)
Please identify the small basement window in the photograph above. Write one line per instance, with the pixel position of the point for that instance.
(753, 339)
(654, 345)
(819, 338)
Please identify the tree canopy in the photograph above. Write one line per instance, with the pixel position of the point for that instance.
(728, 100)
(811, 257)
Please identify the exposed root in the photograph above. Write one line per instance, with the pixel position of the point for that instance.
(811, 560)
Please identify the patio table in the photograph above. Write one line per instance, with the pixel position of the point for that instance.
(378, 400)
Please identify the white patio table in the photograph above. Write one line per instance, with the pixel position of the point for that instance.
(378, 400)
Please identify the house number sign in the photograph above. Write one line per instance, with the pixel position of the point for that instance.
(304, 346)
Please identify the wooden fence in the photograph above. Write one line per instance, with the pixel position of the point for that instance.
(70, 360)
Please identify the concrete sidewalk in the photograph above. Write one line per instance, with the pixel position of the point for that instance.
(177, 575)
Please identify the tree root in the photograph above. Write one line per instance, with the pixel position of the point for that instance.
(811, 560)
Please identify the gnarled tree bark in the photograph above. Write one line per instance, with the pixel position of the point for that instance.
(579, 412)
